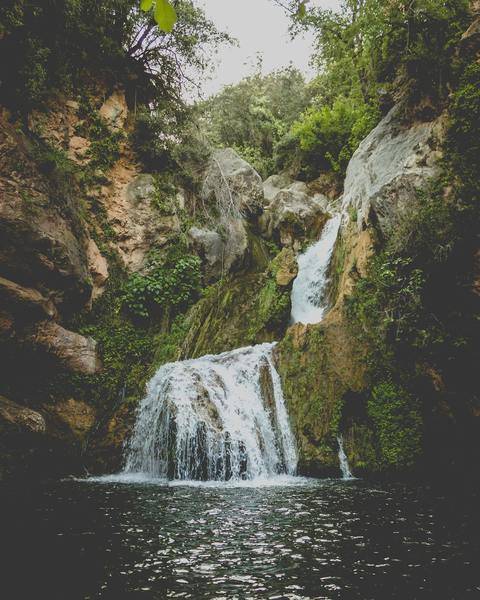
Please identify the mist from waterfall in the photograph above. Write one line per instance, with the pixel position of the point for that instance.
(309, 293)
(217, 417)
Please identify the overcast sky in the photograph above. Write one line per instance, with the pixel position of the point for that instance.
(261, 28)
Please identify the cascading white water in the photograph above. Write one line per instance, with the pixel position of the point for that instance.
(214, 418)
(309, 301)
(342, 457)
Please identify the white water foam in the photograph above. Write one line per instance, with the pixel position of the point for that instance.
(309, 301)
(342, 458)
(217, 417)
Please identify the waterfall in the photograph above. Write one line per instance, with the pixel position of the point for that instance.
(217, 417)
(342, 457)
(309, 301)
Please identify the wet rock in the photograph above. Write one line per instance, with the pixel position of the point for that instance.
(75, 416)
(285, 267)
(220, 254)
(233, 184)
(76, 352)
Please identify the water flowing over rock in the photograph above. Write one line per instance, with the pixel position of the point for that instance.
(309, 298)
(342, 459)
(214, 418)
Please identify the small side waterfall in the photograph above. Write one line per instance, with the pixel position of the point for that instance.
(309, 301)
(342, 457)
(214, 418)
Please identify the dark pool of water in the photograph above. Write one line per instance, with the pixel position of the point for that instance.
(318, 539)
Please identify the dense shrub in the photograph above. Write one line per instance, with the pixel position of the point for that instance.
(168, 284)
(328, 136)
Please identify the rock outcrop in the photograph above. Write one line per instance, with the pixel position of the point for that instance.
(221, 254)
(389, 166)
(20, 418)
(74, 351)
(232, 184)
(293, 214)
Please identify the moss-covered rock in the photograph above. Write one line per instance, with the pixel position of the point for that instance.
(241, 311)
(319, 365)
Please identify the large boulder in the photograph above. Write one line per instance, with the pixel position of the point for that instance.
(389, 167)
(232, 184)
(220, 254)
(293, 215)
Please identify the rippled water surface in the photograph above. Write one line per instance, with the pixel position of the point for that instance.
(296, 539)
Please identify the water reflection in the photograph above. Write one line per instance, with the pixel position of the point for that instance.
(310, 540)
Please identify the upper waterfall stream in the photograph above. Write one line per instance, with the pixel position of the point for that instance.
(309, 293)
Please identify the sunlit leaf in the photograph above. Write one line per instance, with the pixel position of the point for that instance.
(146, 5)
(165, 15)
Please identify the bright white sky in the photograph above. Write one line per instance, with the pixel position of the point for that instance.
(261, 28)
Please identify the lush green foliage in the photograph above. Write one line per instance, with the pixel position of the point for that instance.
(361, 51)
(58, 44)
(416, 309)
(255, 114)
(328, 136)
(170, 282)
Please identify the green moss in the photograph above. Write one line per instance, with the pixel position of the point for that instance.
(398, 424)
(238, 311)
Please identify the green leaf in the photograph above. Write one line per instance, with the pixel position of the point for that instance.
(301, 10)
(165, 15)
(146, 5)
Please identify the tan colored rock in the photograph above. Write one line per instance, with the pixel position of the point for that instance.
(39, 244)
(114, 110)
(23, 418)
(77, 415)
(18, 297)
(78, 148)
(76, 352)
(98, 267)
(137, 224)
(285, 267)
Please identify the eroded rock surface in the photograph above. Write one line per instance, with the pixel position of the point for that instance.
(388, 168)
